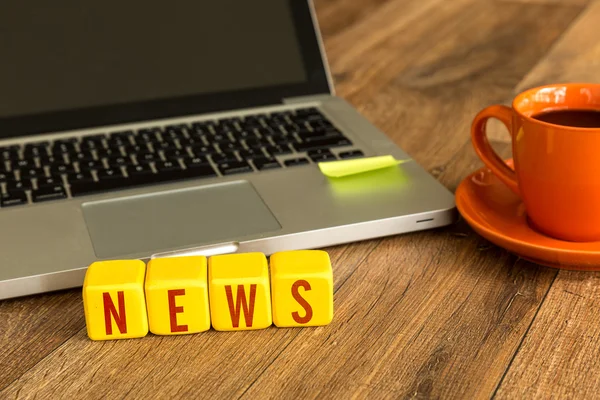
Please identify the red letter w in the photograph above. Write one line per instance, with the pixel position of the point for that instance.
(240, 302)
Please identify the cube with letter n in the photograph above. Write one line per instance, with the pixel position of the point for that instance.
(239, 292)
(113, 300)
(302, 288)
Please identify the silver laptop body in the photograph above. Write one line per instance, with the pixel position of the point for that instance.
(46, 243)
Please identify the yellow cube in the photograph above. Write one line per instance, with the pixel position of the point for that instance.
(239, 290)
(113, 300)
(302, 288)
(177, 295)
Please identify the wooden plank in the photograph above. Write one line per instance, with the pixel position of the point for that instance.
(33, 327)
(558, 358)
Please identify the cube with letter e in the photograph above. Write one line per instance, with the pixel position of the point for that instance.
(239, 290)
(302, 288)
(177, 295)
(113, 300)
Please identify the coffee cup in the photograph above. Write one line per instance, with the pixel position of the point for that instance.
(555, 132)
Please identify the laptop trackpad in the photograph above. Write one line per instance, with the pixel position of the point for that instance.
(176, 219)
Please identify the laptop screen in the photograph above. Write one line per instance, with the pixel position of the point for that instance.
(90, 62)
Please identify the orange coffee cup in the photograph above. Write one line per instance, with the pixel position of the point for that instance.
(556, 164)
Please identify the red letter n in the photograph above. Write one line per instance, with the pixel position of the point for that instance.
(109, 309)
(240, 302)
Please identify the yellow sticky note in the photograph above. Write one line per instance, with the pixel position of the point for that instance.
(113, 300)
(239, 292)
(177, 295)
(301, 288)
(339, 169)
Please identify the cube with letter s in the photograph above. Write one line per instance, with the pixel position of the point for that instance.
(302, 288)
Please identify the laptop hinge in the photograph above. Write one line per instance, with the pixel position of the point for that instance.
(315, 98)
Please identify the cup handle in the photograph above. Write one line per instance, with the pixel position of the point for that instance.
(484, 149)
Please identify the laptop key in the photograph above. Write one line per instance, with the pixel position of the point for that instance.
(250, 154)
(198, 171)
(118, 160)
(202, 150)
(9, 153)
(195, 161)
(256, 143)
(85, 165)
(47, 181)
(175, 131)
(46, 159)
(35, 149)
(164, 146)
(61, 147)
(48, 193)
(81, 188)
(139, 170)
(234, 167)
(230, 146)
(83, 155)
(80, 177)
(109, 152)
(312, 136)
(284, 140)
(18, 164)
(136, 148)
(351, 154)
(13, 198)
(31, 172)
(3, 176)
(174, 153)
(92, 143)
(278, 150)
(263, 163)
(321, 155)
(110, 173)
(14, 185)
(296, 161)
(61, 168)
(322, 143)
(244, 134)
(225, 157)
(146, 156)
(166, 166)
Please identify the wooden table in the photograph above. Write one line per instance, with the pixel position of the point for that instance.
(435, 314)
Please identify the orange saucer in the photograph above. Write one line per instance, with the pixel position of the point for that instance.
(498, 215)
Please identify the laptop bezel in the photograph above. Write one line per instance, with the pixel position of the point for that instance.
(314, 64)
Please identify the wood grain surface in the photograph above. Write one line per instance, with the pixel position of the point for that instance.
(435, 314)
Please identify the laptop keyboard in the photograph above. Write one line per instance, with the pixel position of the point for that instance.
(72, 167)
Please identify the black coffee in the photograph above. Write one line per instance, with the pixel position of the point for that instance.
(576, 118)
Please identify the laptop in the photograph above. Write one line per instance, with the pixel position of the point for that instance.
(145, 129)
